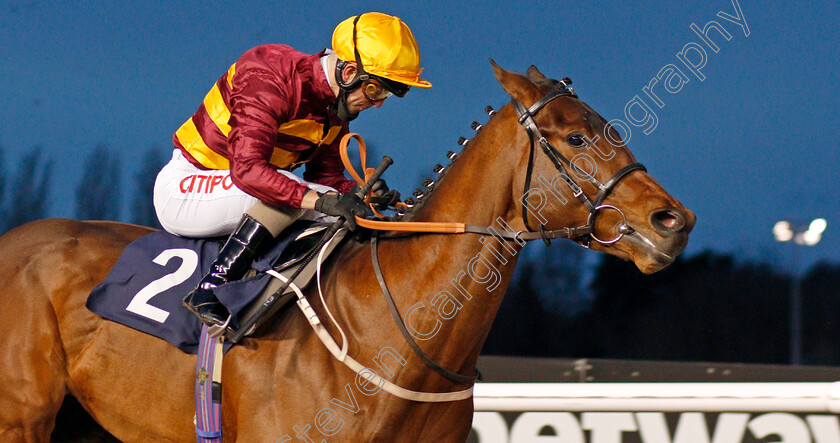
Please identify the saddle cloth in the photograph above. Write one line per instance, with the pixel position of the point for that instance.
(145, 288)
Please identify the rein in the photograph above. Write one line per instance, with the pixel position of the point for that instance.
(340, 352)
(444, 227)
(583, 234)
(458, 378)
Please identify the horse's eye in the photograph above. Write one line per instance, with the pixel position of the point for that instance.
(576, 140)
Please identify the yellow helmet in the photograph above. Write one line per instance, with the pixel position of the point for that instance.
(386, 48)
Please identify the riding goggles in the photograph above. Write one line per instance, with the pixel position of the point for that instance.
(377, 89)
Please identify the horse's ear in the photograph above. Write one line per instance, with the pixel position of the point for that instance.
(517, 86)
(535, 75)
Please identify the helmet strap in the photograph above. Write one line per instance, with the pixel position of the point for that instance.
(352, 85)
(341, 65)
(339, 107)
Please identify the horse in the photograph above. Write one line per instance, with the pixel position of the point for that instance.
(281, 384)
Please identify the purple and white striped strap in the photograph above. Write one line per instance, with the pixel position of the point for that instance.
(208, 388)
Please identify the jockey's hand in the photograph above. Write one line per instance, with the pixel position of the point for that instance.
(383, 197)
(342, 205)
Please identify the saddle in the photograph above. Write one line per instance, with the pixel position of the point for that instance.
(145, 287)
(286, 265)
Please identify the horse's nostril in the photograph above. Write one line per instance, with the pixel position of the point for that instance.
(668, 220)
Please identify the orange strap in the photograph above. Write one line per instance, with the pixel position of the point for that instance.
(345, 158)
(449, 228)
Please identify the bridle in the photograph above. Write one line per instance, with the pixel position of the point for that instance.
(582, 234)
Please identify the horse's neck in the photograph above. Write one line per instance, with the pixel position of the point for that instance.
(478, 187)
(461, 279)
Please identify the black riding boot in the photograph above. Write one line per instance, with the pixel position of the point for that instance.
(233, 262)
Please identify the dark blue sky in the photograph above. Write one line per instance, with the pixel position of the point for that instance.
(751, 144)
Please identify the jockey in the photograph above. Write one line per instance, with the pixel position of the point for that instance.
(272, 111)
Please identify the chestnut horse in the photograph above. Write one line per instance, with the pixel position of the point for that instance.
(282, 384)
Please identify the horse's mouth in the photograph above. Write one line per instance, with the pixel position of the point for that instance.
(651, 257)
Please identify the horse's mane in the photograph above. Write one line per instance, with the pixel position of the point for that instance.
(429, 185)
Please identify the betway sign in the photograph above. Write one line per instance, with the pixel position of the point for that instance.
(796, 412)
(654, 427)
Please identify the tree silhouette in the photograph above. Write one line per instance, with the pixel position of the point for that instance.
(536, 315)
(97, 195)
(620, 294)
(702, 308)
(707, 307)
(821, 315)
(556, 275)
(518, 324)
(142, 205)
(28, 190)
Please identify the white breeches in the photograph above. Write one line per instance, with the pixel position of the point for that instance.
(193, 202)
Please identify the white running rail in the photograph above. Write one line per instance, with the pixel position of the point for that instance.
(660, 397)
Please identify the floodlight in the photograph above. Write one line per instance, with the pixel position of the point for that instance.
(782, 231)
(818, 225)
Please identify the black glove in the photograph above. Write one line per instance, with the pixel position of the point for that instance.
(382, 197)
(342, 205)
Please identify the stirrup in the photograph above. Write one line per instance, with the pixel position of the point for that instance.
(210, 302)
(219, 330)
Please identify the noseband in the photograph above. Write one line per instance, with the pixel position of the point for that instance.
(582, 234)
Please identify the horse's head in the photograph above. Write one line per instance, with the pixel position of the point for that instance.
(630, 214)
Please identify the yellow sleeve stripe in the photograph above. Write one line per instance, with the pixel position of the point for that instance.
(231, 72)
(191, 140)
(331, 135)
(217, 109)
(282, 158)
(309, 130)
